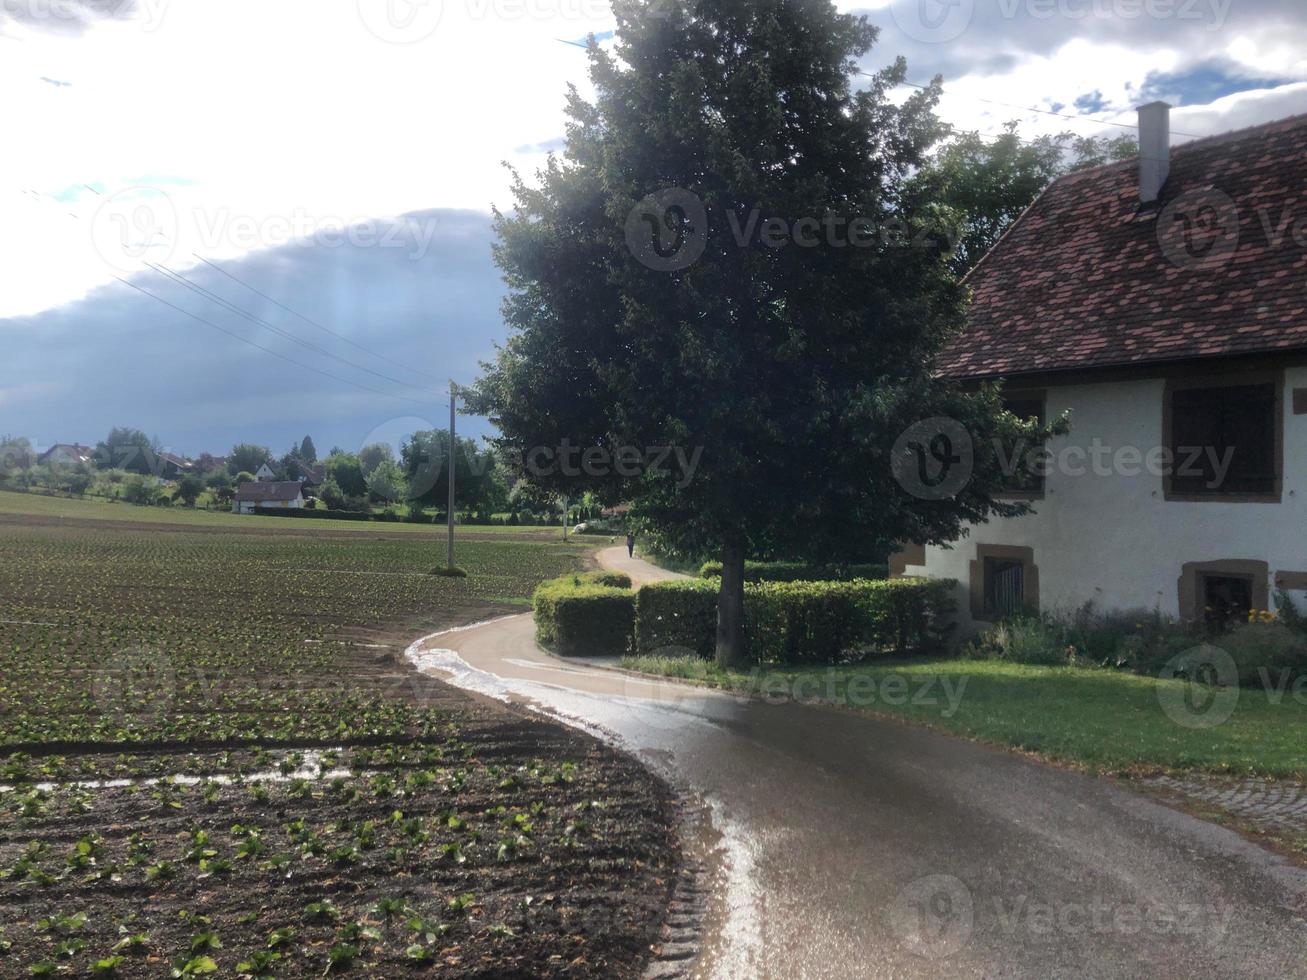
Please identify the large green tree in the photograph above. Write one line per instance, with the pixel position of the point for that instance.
(979, 185)
(478, 478)
(688, 319)
(127, 449)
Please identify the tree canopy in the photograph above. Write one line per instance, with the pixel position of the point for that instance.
(721, 262)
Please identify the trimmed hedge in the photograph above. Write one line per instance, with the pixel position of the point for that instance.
(677, 613)
(585, 615)
(793, 571)
(802, 622)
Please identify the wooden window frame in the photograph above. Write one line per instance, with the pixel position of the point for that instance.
(1190, 593)
(1022, 395)
(1232, 379)
(1029, 576)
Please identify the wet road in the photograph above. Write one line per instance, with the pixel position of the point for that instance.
(846, 846)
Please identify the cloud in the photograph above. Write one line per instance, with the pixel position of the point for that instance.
(427, 302)
(71, 17)
(548, 146)
(56, 83)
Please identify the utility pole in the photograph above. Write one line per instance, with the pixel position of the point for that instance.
(453, 453)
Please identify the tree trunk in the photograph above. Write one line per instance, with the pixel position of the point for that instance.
(730, 609)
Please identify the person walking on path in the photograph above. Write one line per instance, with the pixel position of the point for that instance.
(630, 545)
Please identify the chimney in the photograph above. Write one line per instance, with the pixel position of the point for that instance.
(1154, 149)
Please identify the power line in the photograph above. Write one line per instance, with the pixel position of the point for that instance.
(195, 287)
(182, 280)
(312, 322)
(258, 346)
(1030, 108)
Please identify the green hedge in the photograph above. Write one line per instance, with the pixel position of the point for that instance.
(793, 571)
(585, 615)
(802, 622)
(677, 613)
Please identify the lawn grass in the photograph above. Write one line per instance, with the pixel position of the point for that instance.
(1105, 720)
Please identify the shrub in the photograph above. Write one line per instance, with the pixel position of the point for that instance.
(790, 571)
(576, 616)
(139, 489)
(1265, 651)
(1024, 640)
(801, 622)
(681, 613)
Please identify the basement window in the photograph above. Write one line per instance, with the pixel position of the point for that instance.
(1224, 442)
(1227, 599)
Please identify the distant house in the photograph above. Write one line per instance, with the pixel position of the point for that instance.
(265, 474)
(310, 476)
(170, 465)
(66, 454)
(286, 495)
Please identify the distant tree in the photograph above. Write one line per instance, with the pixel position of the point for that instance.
(247, 457)
(220, 485)
(345, 469)
(1094, 151)
(189, 488)
(127, 449)
(974, 187)
(308, 452)
(207, 463)
(386, 481)
(140, 489)
(372, 456)
(479, 483)
(331, 495)
(15, 454)
(80, 479)
(244, 477)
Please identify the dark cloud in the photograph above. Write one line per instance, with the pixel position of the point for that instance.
(428, 301)
(957, 38)
(66, 16)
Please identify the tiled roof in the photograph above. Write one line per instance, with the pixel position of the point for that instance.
(1084, 279)
(259, 493)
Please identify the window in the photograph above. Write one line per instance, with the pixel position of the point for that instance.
(1227, 599)
(1222, 592)
(1224, 441)
(1004, 582)
(1027, 477)
(1004, 587)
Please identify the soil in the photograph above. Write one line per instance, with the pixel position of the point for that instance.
(562, 847)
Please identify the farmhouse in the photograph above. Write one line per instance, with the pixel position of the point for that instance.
(1162, 303)
(264, 473)
(66, 454)
(266, 496)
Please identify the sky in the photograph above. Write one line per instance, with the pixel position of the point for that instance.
(317, 177)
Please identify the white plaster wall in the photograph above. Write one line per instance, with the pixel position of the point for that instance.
(1114, 538)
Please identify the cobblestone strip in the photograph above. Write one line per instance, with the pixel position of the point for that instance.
(682, 930)
(1275, 804)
